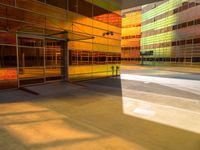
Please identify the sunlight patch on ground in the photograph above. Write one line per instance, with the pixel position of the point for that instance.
(163, 114)
(192, 86)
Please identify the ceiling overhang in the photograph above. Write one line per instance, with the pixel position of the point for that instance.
(125, 4)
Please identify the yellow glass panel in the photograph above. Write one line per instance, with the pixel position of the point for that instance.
(31, 72)
(79, 45)
(99, 47)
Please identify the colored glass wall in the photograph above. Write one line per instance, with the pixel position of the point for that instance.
(131, 35)
(170, 29)
(44, 25)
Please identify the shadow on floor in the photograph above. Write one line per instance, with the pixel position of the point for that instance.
(83, 117)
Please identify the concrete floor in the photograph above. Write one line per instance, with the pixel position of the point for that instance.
(134, 112)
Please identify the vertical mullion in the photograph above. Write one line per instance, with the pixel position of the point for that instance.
(44, 59)
(17, 52)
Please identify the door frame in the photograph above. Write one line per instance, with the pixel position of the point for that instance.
(65, 71)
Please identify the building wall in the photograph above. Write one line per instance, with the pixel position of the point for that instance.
(171, 30)
(75, 21)
(131, 35)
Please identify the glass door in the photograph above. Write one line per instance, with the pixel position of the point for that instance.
(40, 60)
(30, 60)
(54, 60)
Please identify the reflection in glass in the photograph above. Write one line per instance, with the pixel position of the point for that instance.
(39, 61)
(8, 56)
(31, 57)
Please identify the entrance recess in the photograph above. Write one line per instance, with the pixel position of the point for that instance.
(40, 60)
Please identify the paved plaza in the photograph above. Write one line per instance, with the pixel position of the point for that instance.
(146, 108)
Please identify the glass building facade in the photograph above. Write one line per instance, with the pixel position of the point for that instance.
(48, 40)
(131, 35)
(170, 32)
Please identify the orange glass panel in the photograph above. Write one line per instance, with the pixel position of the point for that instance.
(8, 74)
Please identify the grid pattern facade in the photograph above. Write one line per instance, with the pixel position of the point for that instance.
(171, 30)
(131, 35)
(46, 40)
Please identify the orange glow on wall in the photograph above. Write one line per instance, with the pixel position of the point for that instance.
(131, 35)
(8, 74)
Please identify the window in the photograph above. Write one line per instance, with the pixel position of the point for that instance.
(196, 59)
(192, 4)
(175, 27)
(8, 56)
(197, 41)
(191, 23)
(189, 41)
(197, 3)
(185, 6)
(182, 42)
(179, 26)
(197, 21)
(175, 10)
(173, 59)
(183, 25)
